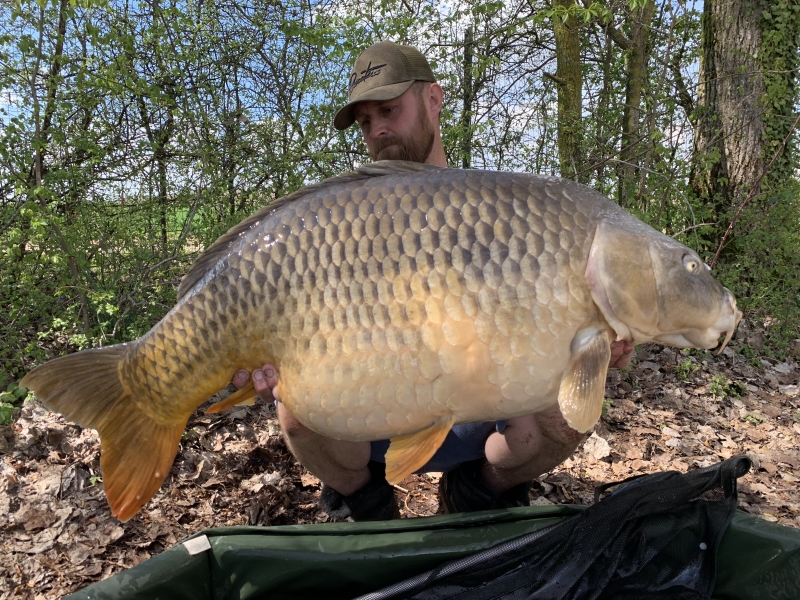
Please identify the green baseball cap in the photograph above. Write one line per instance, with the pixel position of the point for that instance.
(383, 71)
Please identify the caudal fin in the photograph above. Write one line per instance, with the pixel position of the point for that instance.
(136, 450)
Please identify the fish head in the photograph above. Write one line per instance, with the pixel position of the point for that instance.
(650, 287)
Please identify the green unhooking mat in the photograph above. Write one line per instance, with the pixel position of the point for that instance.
(663, 535)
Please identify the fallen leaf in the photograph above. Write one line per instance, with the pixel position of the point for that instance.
(645, 431)
(597, 447)
(308, 480)
(760, 488)
(212, 481)
(769, 467)
(35, 518)
(661, 460)
(653, 366)
(541, 501)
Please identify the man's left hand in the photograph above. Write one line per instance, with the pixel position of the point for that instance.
(265, 381)
(621, 353)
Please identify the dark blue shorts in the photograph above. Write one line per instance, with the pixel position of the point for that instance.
(463, 443)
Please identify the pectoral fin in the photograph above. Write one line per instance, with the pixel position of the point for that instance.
(407, 453)
(246, 395)
(583, 384)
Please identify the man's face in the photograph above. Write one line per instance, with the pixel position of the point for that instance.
(397, 129)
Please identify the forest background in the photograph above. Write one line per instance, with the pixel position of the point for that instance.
(132, 134)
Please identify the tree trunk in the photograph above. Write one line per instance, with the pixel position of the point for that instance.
(728, 152)
(636, 74)
(569, 80)
(466, 111)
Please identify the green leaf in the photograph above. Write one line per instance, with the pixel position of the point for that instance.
(6, 413)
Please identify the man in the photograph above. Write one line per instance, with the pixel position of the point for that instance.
(394, 98)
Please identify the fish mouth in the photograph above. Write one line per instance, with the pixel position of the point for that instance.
(732, 319)
(735, 315)
(709, 338)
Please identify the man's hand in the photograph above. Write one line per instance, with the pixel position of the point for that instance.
(621, 353)
(265, 380)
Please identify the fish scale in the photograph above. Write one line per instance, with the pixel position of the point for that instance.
(438, 303)
(395, 301)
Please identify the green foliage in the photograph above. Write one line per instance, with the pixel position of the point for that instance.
(717, 386)
(722, 387)
(160, 126)
(686, 368)
(763, 264)
(6, 413)
(780, 55)
(752, 419)
(10, 401)
(595, 11)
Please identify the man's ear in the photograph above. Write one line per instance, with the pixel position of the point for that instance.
(435, 98)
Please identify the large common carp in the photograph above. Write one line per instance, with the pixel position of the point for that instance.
(396, 301)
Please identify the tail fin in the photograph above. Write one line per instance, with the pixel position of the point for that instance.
(136, 450)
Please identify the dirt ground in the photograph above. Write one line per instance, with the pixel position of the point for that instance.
(670, 410)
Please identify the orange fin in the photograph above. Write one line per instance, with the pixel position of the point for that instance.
(407, 453)
(130, 476)
(246, 395)
(583, 385)
(136, 449)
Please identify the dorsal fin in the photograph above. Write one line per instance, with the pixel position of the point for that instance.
(222, 245)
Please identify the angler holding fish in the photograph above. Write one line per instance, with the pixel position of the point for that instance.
(395, 100)
(400, 302)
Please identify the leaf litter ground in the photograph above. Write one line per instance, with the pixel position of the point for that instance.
(670, 410)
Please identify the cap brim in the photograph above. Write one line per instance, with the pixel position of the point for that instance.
(346, 115)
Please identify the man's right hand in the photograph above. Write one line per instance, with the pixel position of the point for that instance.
(265, 381)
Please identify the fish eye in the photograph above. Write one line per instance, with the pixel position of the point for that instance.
(691, 263)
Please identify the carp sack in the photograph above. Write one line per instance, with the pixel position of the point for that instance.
(396, 301)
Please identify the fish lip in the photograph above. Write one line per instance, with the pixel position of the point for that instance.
(727, 339)
(735, 314)
(708, 339)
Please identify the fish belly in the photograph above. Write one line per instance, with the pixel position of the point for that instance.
(392, 302)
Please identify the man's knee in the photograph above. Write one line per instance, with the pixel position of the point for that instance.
(553, 426)
(291, 427)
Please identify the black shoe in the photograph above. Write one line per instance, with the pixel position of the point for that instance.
(374, 502)
(463, 490)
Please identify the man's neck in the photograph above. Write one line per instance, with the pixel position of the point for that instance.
(437, 156)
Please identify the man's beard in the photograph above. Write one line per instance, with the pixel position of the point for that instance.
(416, 147)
